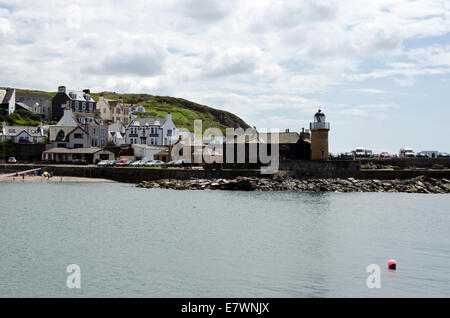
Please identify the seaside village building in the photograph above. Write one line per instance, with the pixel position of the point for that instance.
(36, 102)
(114, 110)
(155, 131)
(78, 136)
(78, 101)
(23, 134)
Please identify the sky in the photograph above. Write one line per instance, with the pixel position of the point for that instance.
(379, 69)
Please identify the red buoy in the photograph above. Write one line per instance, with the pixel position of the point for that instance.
(392, 264)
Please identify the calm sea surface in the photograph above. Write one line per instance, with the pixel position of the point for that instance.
(132, 242)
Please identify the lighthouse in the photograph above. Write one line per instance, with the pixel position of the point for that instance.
(319, 137)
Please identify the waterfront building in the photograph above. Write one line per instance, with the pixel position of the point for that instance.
(155, 131)
(78, 130)
(78, 101)
(86, 155)
(319, 137)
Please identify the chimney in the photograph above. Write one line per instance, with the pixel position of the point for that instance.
(87, 91)
(169, 116)
(61, 89)
(287, 130)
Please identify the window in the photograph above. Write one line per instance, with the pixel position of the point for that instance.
(131, 140)
(78, 136)
(94, 131)
(94, 143)
(91, 107)
(117, 110)
(169, 132)
(77, 106)
(78, 145)
(83, 106)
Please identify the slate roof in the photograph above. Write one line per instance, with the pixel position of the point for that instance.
(142, 122)
(91, 150)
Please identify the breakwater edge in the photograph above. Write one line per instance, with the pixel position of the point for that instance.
(420, 184)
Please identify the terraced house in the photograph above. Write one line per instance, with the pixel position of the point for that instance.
(151, 131)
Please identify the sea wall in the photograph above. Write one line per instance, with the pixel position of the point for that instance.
(136, 175)
(409, 162)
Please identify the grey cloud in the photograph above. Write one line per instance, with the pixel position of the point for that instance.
(145, 64)
(206, 11)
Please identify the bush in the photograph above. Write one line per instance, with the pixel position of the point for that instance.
(7, 149)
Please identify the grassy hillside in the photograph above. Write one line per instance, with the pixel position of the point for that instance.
(183, 112)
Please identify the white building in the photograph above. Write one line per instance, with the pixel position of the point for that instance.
(156, 131)
(25, 134)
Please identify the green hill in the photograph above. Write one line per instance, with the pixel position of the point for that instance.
(183, 111)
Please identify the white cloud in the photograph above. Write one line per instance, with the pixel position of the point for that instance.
(249, 57)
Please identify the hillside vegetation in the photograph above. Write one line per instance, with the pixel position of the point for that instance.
(183, 111)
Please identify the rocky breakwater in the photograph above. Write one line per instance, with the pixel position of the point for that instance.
(420, 184)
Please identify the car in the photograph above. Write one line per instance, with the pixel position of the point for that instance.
(421, 155)
(406, 153)
(348, 155)
(170, 163)
(136, 163)
(182, 163)
(123, 163)
(385, 155)
(12, 160)
(103, 163)
(443, 155)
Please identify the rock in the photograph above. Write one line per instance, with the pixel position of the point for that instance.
(412, 190)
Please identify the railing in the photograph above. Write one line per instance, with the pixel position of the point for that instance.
(317, 125)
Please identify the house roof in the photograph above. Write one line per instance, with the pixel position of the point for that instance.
(95, 120)
(7, 95)
(12, 131)
(152, 121)
(116, 127)
(79, 96)
(91, 150)
(54, 130)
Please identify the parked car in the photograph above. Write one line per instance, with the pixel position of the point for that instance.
(170, 163)
(136, 163)
(443, 155)
(348, 155)
(385, 155)
(12, 160)
(406, 152)
(103, 163)
(359, 152)
(123, 162)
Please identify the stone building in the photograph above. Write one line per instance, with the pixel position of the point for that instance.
(319, 137)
